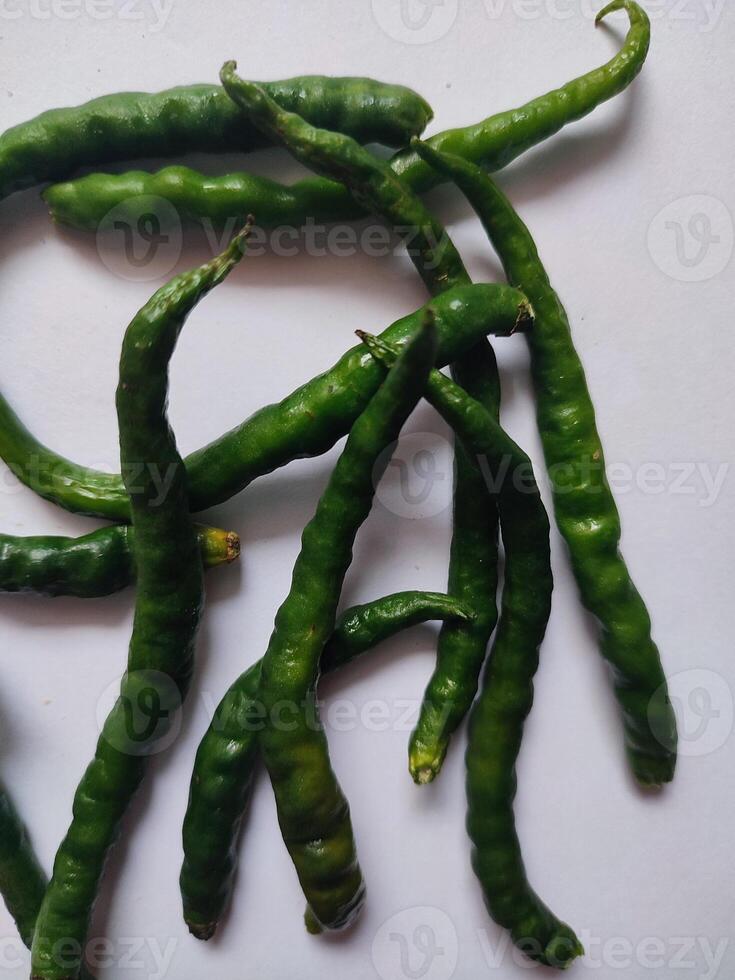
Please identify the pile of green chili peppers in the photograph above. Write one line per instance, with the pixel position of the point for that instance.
(152, 542)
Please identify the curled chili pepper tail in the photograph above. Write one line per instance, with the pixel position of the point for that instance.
(248, 95)
(635, 12)
(228, 71)
(238, 242)
(225, 262)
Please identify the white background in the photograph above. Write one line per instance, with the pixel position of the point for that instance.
(646, 881)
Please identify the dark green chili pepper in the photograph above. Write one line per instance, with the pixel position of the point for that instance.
(197, 117)
(361, 628)
(167, 611)
(473, 571)
(93, 565)
(583, 502)
(473, 577)
(222, 780)
(308, 422)
(368, 179)
(22, 881)
(496, 722)
(312, 811)
(494, 143)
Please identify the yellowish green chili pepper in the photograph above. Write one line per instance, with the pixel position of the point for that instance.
(583, 502)
(168, 607)
(225, 766)
(92, 565)
(494, 142)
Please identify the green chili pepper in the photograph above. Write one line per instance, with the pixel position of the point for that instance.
(473, 571)
(368, 179)
(584, 505)
(22, 881)
(495, 142)
(93, 565)
(197, 117)
(496, 723)
(224, 770)
(473, 576)
(167, 611)
(308, 422)
(312, 811)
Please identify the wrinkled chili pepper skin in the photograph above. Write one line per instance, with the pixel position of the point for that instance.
(22, 881)
(370, 180)
(308, 422)
(168, 607)
(224, 769)
(312, 811)
(473, 578)
(360, 628)
(494, 142)
(197, 117)
(496, 721)
(474, 549)
(86, 202)
(584, 506)
(93, 565)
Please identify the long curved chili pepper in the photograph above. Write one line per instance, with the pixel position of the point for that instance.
(308, 422)
(494, 142)
(473, 571)
(92, 565)
(168, 606)
(225, 765)
(197, 117)
(583, 502)
(496, 722)
(473, 577)
(312, 811)
(22, 880)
